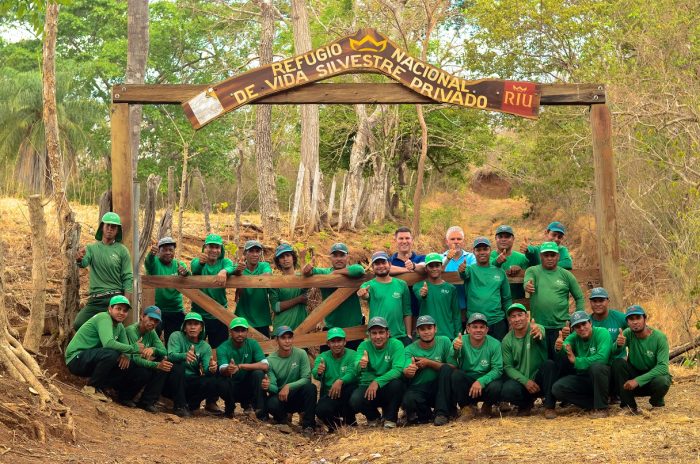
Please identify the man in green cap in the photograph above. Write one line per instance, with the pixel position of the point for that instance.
(335, 369)
(487, 289)
(254, 303)
(288, 382)
(479, 368)
(645, 372)
(243, 363)
(379, 364)
(100, 350)
(438, 299)
(349, 312)
(550, 286)
(288, 304)
(529, 374)
(111, 272)
(428, 365)
(553, 233)
(512, 262)
(587, 351)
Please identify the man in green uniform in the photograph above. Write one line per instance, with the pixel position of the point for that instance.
(160, 262)
(289, 384)
(254, 303)
(110, 268)
(554, 233)
(529, 374)
(100, 350)
(479, 368)
(335, 369)
(487, 288)
(645, 372)
(388, 298)
(550, 286)
(288, 304)
(188, 350)
(587, 350)
(213, 262)
(438, 299)
(611, 320)
(511, 261)
(243, 364)
(428, 367)
(379, 363)
(349, 312)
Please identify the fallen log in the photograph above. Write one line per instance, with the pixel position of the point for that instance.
(684, 348)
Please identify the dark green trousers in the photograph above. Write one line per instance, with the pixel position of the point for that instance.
(419, 399)
(94, 305)
(587, 390)
(656, 389)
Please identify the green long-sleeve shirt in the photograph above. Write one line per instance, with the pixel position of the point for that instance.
(294, 370)
(488, 291)
(613, 323)
(384, 365)
(168, 300)
(253, 303)
(484, 363)
(392, 301)
(349, 312)
(594, 350)
(342, 368)
(100, 331)
(249, 352)
(150, 340)
(565, 261)
(291, 317)
(179, 345)
(441, 304)
(441, 351)
(217, 294)
(649, 355)
(110, 268)
(522, 357)
(514, 259)
(549, 305)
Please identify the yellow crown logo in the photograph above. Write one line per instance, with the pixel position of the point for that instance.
(519, 89)
(368, 44)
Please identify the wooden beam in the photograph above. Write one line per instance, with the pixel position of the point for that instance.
(317, 338)
(148, 297)
(604, 200)
(324, 309)
(388, 93)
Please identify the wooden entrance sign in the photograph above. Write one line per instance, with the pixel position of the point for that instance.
(366, 51)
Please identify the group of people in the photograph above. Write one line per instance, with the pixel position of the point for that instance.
(435, 350)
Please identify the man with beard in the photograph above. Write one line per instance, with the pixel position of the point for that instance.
(438, 299)
(428, 367)
(611, 320)
(110, 268)
(160, 261)
(388, 298)
(288, 304)
(554, 233)
(335, 369)
(645, 372)
(452, 259)
(254, 303)
(379, 363)
(406, 260)
(511, 261)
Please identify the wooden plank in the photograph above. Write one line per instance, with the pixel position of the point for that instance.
(350, 93)
(317, 338)
(324, 309)
(148, 297)
(604, 200)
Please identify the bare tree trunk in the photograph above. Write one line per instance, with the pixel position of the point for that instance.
(341, 203)
(105, 204)
(165, 229)
(149, 217)
(356, 210)
(171, 188)
(35, 328)
(237, 208)
(183, 198)
(136, 59)
(206, 205)
(418, 194)
(331, 199)
(297, 199)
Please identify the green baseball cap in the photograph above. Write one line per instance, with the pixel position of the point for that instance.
(335, 332)
(425, 320)
(477, 317)
(479, 241)
(341, 247)
(153, 312)
(433, 258)
(556, 226)
(239, 322)
(516, 307)
(110, 218)
(598, 292)
(549, 247)
(504, 229)
(119, 299)
(192, 316)
(213, 239)
(579, 317)
(377, 322)
(635, 310)
(282, 249)
(252, 244)
(283, 329)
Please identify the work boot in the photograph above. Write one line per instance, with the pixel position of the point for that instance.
(440, 420)
(182, 412)
(486, 410)
(550, 413)
(599, 413)
(213, 408)
(467, 413)
(96, 394)
(147, 407)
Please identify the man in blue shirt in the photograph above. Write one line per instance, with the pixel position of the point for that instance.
(407, 260)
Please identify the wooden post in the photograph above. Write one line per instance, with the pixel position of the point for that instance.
(605, 210)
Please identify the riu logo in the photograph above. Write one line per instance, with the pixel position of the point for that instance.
(484, 363)
(387, 357)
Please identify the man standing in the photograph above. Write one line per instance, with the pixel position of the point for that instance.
(554, 233)
(428, 367)
(452, 259)
(587, 350)
(438, 299)
(479, 368)
(406, 260)
(379, 362)
(550, 286)
(388, 297)
(253, 303)
(289, 384)
(529, 373)
(487, 289)
(288, 304)
(645, 372)
(160, 261)
(511, 261)
(335, 369)
(110, 268)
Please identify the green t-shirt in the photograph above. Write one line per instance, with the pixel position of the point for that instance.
(613, 323)
(441, 351)
(349, 312)
(342, 368)
(649, 355)
(100, 331)
(522, 357)
(179, 345)
(291, 317)
(150, 340)
(217, 294)
(514, 259)
(488, 292)
(484, 363)
(168, 300)
(565, 261)
(384, 365)
(391, 301)
(110, 268)
(594, 350)
(254, 303)
(441, 304)
(294, 370)
(249, 352)
(549, 304)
